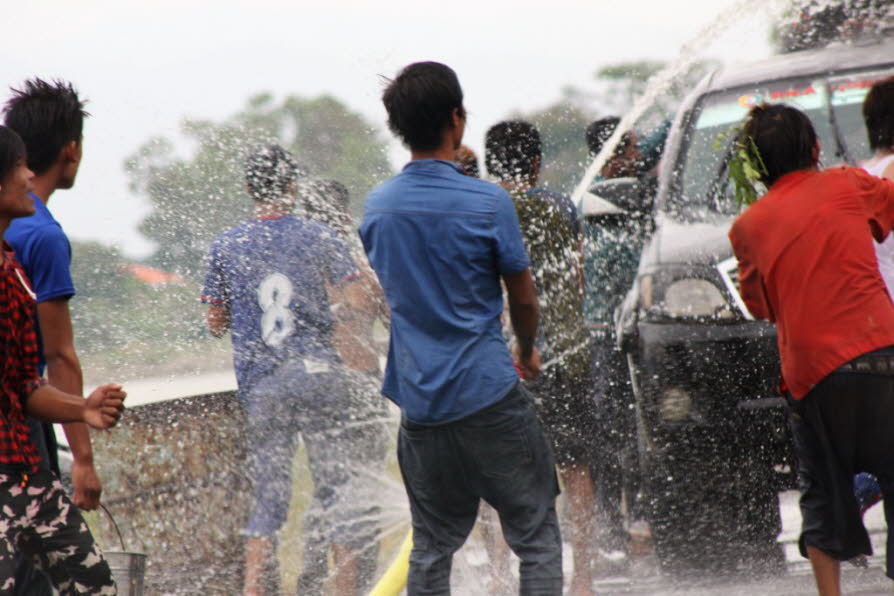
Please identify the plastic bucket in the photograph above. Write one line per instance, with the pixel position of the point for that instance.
(128, 569)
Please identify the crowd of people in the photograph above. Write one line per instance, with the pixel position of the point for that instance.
(499, 300)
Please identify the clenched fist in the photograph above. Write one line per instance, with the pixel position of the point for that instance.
(104, 406)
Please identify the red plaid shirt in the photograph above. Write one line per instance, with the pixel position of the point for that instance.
(18, 362)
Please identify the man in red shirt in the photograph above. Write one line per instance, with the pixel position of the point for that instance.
(807, 263)
(37, 519)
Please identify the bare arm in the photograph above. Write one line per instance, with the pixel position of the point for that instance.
(753, 293)
(355, 310)
(101, 410)
(63, 366)
(751, 285)
(64, 373)
(218, 320)
(524, 312)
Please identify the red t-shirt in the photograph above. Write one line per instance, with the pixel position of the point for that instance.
(807, 263)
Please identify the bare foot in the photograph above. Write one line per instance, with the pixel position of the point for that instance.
(256, 551)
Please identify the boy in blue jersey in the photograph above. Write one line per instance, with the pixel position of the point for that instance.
(440, 242)
(50, 117)
(273, 282)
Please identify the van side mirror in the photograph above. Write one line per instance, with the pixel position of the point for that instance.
(615, 196)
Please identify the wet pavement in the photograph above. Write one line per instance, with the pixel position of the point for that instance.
(644, 578)
(472, 575)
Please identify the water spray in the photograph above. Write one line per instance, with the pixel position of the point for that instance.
(663, 79)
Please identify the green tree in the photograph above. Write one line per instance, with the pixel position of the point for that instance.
(622, 84)
(195, 198)
(127, 328)
(619, 86)
(561, 127)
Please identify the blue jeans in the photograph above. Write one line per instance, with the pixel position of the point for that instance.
(498, 454)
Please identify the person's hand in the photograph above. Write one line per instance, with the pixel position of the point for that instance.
(530, 365)
(104, 406)
(87, 487)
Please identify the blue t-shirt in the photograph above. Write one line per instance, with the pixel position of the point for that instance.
(439, 241)
(271, 275)
(44, 251)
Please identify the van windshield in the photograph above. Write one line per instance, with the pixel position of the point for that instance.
(834, 105)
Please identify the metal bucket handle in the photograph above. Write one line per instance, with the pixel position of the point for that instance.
(115, 524)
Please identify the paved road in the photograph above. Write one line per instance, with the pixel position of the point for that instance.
(472, 574)
(644, 578)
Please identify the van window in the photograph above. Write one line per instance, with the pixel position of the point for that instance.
(833, 105)
(848, 93)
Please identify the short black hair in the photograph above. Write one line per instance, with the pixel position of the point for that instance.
(511, 149)
(599, 131)
(47, 116)
(269, 172)
(878, 113)
(324, 199)
(420, 102)
(784, 138)
(12, 149)
(468, 161)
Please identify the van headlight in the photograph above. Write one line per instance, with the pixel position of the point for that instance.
(676, 295)
(674, 405)
(686, 298)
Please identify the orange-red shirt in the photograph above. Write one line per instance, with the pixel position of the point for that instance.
(807, 263)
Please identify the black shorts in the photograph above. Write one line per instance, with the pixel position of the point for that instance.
(844, 426)
(568, 411)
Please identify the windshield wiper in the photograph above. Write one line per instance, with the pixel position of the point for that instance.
(841, 151)
(720, 181)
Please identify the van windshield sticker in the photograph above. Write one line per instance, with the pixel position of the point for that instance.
(732, 109)
(853, 91)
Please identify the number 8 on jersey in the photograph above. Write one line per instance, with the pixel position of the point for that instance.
(277, 321)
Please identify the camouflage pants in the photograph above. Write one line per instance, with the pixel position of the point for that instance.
(38, 520)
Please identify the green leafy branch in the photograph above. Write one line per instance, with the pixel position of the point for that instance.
(745, 166)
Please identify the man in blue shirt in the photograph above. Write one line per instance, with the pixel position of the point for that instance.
(273, 282)
(50, 117)
(440, 242)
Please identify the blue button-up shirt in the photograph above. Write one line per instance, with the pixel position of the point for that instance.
(439, 241)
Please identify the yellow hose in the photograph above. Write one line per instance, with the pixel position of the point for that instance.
(395, 578)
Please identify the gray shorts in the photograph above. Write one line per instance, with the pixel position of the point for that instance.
(344, 431)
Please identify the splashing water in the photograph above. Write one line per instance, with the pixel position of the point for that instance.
(152, 467)
(662, 80)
